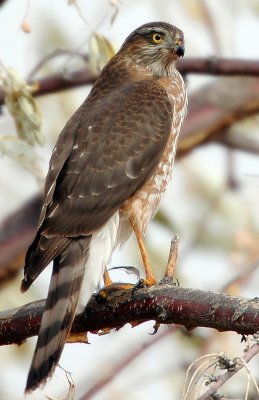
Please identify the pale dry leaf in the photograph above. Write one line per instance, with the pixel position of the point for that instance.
(194, 9)
(100, 52)
(23, 153)
(22, 106)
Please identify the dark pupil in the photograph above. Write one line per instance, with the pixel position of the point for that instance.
(157, 37)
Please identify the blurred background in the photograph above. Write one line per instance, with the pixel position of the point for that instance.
(212, 201)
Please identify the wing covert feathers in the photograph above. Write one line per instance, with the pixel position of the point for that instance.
(118, 140)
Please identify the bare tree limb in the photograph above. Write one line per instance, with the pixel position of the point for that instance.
(219, 66)
(237, 142)
(164, 303)
(215, 108)
(207, 66)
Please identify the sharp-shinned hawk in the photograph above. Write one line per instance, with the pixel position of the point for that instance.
(107, 173)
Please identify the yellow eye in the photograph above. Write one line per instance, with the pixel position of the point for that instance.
(157, 38)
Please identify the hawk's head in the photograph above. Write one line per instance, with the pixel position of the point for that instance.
(156, 45)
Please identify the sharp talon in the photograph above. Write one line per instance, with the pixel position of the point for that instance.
(101, 296)
(155, 327)
(139, 285)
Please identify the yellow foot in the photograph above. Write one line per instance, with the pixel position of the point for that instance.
(116, 286)
(116, 292)
(106, 278)
(150, 281)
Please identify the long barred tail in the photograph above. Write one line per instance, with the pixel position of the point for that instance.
(64, 290)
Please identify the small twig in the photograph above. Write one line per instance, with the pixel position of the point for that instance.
(71, 386)
(240, 278)
(54, 54)
(251, 352)
(208, 360)
(172, 259)
(80, 13)
(250, 375)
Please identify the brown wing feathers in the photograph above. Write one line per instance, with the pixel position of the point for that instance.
(106, 152)
(112, 155)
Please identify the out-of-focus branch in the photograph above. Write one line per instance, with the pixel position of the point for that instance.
(208, 66)
(215, 108)
(105, 379)
(16, 234)
(164, 303)
(2, 2)
(54, 54)
(218, 66)
(236, 142)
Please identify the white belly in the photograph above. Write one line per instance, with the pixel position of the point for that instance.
(101, 248)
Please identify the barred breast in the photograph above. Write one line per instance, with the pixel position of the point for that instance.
(143, 205)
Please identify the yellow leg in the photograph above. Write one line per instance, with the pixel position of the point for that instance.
(150, 280)
(106, 278)
(110, 286)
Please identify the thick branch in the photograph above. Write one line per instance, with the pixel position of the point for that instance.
(216, 107)
(164, 303)
(219, 66)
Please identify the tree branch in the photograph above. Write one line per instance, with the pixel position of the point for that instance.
(164, 303)
(216, 107)
(208, 66)
(218, 66)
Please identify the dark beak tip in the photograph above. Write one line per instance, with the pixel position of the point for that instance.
(179, 50)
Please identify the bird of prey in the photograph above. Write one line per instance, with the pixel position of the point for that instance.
(107, 173)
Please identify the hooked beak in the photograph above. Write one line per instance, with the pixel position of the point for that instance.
(179, 50)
